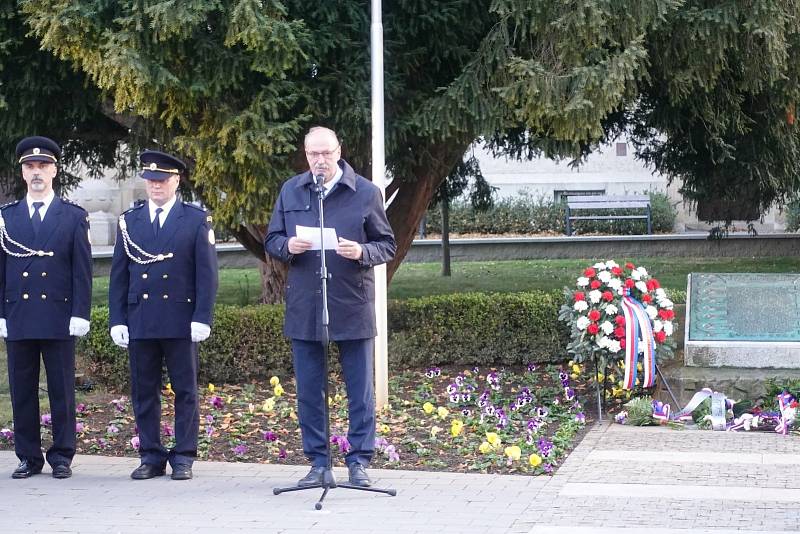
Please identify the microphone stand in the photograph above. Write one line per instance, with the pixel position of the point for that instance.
(328, 480)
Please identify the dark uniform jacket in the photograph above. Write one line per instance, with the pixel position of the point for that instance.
(41, 293)
(355, 209)
(160, 300)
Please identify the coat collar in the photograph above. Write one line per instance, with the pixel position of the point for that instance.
(348, 176)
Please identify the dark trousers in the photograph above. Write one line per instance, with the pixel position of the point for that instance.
(356, 357)
(23, 379)
(146, 359)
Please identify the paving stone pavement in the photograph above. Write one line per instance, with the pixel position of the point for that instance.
(618, 480)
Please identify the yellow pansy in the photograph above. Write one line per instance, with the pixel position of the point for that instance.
(513, 452)
(576, 368)
(278, 390)
(493, 439)
(612, 378)
(535, 460)
(211, 387)
(268, 405)
(600, 377)
(337, 397)
(442, 412)
(274, 381)
(456, 427)
(435, 430)
(485, 447)
(384, 428)
(428, 407)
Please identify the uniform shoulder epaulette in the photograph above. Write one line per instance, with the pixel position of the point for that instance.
(133, 208)
(193, 205)
(9, 204)
(72, 203)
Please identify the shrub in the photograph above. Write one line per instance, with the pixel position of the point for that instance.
(793, 216)
(470, 328)
(528, 215)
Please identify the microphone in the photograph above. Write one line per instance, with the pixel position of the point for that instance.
(319, 179)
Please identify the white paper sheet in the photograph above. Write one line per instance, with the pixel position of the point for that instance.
(311, 233)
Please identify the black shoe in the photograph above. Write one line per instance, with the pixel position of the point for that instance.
(62, 471)
(315, 476)
(145, 471)
(358, 475)
(26, 470)
(181, 472)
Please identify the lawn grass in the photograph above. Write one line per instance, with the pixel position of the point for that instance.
(242, 286)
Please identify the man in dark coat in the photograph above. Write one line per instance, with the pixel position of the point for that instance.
(46, 288)
(353, 206)
(161, 300)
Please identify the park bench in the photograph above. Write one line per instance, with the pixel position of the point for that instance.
(607, 203)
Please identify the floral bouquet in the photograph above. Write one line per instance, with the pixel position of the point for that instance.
(617, 314)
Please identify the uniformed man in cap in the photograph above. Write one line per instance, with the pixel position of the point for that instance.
(161, 300)
(45, 298)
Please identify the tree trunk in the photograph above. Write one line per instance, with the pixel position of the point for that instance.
(445, 237)
(273, 272)
(414, 196)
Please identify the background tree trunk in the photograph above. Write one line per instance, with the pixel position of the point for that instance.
(445, 237)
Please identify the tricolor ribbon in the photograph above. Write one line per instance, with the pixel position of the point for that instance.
(638, 329)
(785, 401)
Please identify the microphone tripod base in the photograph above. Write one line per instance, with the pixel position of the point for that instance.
(329, 483)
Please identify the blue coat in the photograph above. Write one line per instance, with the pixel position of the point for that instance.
(160, 300)
(41, 293)
(355, 209)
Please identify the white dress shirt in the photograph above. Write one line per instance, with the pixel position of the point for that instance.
(163, 215)
(47, 201)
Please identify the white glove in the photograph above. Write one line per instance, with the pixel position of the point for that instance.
(119, 333)
(78, 327)
(3, 329)
(200, 331)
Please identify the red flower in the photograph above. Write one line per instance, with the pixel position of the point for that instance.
(660, 336)
(656, 284)
(594, 315)
(629, 265)
(619, 332)
(647, 298)
(608, 296)
(589, 272)
(593, 328)
(579, 296)
(616, 270)
(666, 315)
(629, 283)
(595, 284)
(622, 342)
(620, 320)
(650, 285)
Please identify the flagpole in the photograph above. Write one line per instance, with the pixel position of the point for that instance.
(379, 179)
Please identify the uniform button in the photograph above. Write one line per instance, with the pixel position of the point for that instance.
(24, 296)
(44, 274)
(188, 300)
(44, 297)
(144, 275)
(165, 276)
(145, 296)
(166, 296)
(25, 274)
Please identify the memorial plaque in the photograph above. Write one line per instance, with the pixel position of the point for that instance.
(743, 320)
(744, 307)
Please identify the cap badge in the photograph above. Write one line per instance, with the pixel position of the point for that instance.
(153, 166)
(36, 151)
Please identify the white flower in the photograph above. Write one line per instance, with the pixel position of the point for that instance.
(641, 286)
(657, 326)
(666, 303)
(580, 306)
(604, 276)
(599, 265)
(610, 264)
(660, 293)
(635, 275)
(611, 310)
(668, 328)
(652, 312)
(602, 341)
(642, 271)
(582, 322)
(615, 284)
(583, 281)
(594, 296)
(614, 346)
(607, 327)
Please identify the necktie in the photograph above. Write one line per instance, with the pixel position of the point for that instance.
(36, 220)
(156, 222)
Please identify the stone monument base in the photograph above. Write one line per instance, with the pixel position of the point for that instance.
(735, 382)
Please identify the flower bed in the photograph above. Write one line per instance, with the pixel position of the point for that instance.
(492, 420)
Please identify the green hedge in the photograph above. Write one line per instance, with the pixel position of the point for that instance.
(468, 328)
(527, 215)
